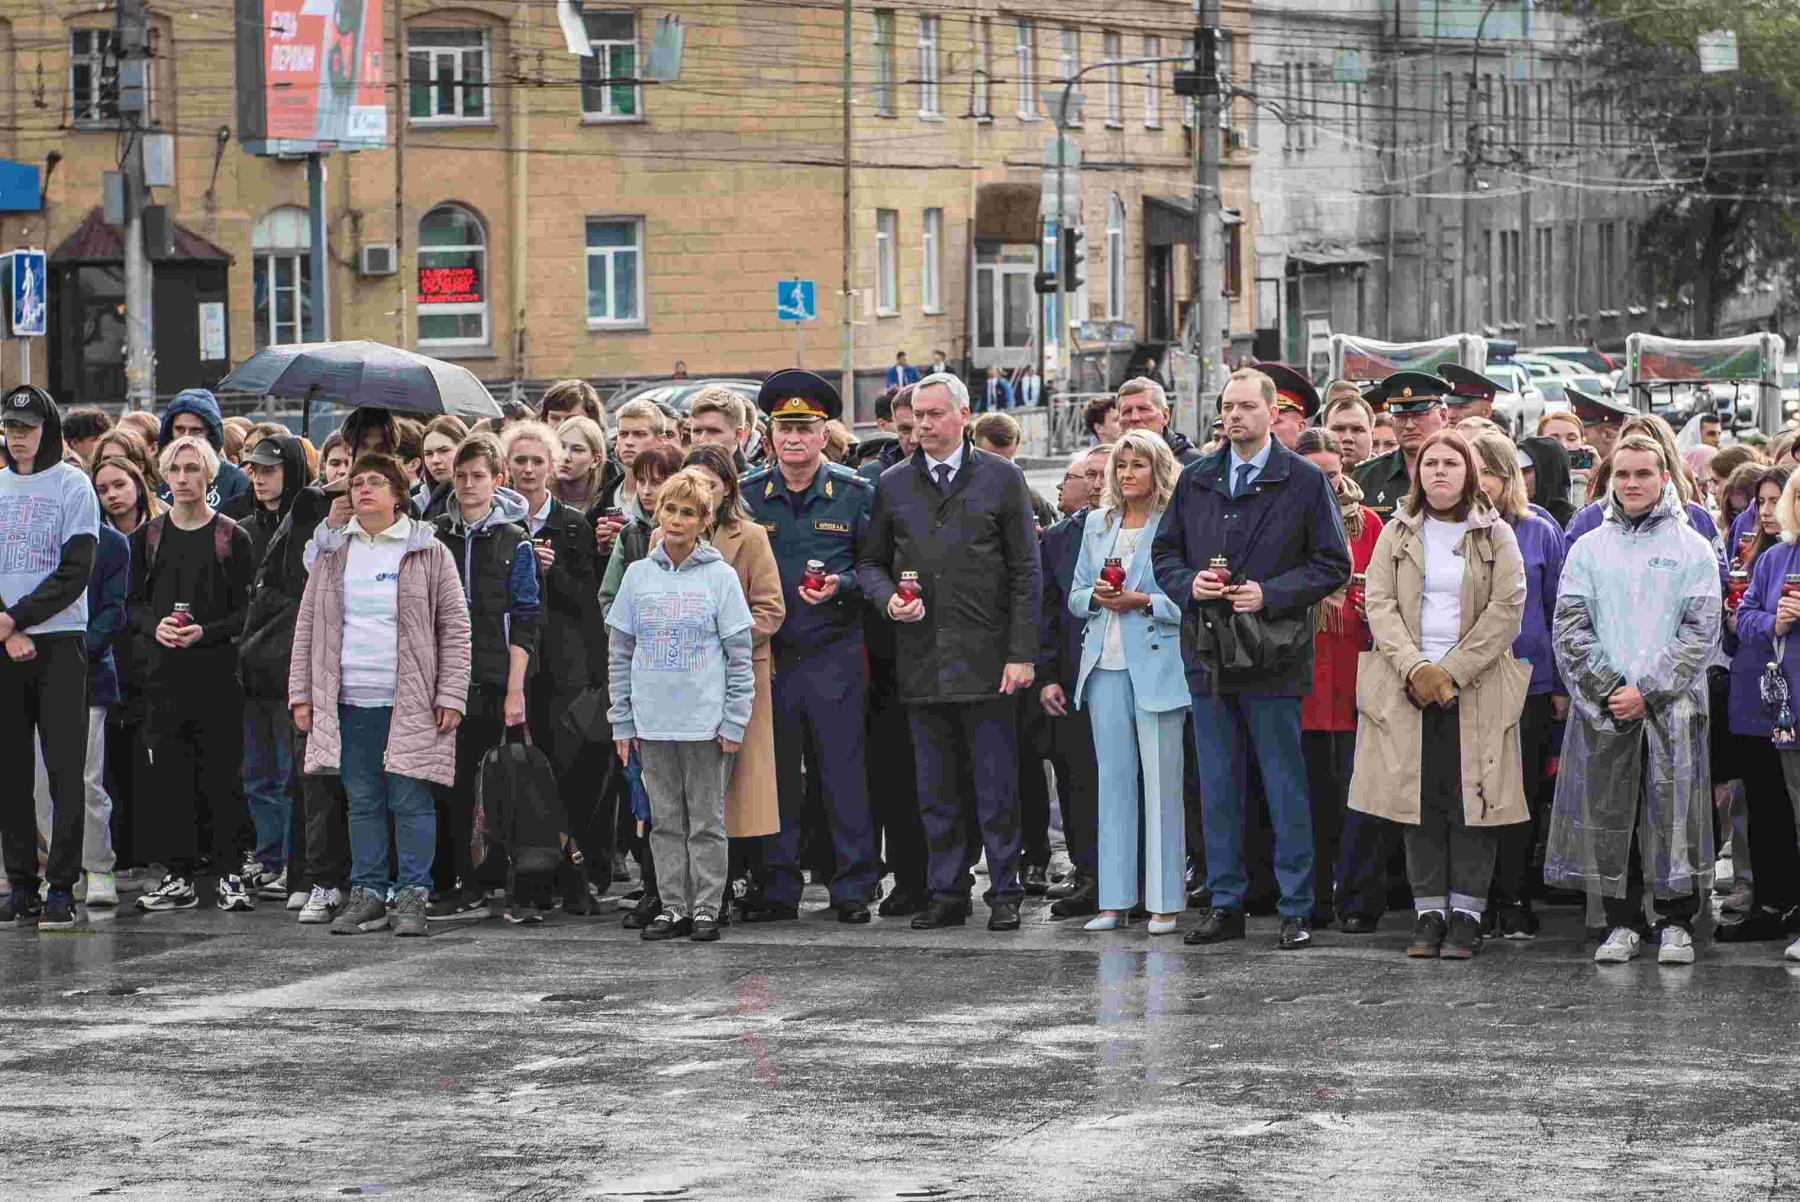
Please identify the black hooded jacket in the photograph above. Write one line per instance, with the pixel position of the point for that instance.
(265, 647)
(1550, 490)
(75, 560)
(259, 522)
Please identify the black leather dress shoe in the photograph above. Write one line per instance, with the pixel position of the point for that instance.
(1358, 924)
(764, 911)
(1037, 880)
(1084, 900)
(1294, 935)
(941, 914)
(1066, 885)
(852, 913)
(647, 908)
(1003, 916)
(900, 903)
(1758, 925)
(1216, 927)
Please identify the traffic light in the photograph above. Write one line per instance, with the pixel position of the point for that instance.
(1070, 259)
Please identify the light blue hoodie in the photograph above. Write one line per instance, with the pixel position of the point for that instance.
(679, 655)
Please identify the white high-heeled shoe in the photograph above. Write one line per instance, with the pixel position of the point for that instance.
(1108, 922)
(1161, 926)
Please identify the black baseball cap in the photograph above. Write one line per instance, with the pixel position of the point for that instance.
(266, 453)
(26, 405)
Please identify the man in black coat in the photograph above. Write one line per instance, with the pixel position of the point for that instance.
(1059, 665)
(961, 519)
(1273, 516)
(1143, 405)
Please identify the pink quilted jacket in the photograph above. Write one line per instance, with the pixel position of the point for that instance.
(433, 656)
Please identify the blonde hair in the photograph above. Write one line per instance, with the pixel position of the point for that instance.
(1499, 456)
(1561, 415)
(209, 458)
(691, 485)
(1642, 443)
(716, 398)
(589, 431)
(640, 409)
(531, 430)
(1163, 469)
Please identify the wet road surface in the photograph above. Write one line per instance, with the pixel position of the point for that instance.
(204, 1055)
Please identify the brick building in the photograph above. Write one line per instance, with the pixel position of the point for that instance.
(552, 215)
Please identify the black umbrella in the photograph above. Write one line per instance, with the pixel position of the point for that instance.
(364, 375)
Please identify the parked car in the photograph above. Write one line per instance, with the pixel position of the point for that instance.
(1586, 356)
(1521, 400)
(677, 393)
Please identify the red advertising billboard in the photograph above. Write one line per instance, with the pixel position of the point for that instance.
(311, 75)
(449, 286)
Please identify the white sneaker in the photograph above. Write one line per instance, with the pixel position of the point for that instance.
(1793, 951)
(97, 889)
(1677, 946)
(1622, 945)
(266, 883)
(321, 906)
(233, 896)
(297, 900)
(175, 893)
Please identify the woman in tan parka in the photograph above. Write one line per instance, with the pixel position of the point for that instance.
(1439, 698)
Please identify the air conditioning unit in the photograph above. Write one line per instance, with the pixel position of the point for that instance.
(377, 259)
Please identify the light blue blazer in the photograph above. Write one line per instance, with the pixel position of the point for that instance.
(1152, 643)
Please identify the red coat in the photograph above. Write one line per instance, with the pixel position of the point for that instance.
(1332, 703)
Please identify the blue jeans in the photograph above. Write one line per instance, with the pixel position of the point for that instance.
(1227, 728)
(376, 795)
(268, 772)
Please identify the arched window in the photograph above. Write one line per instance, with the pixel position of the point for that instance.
(1115, 259)
(452, 300)
(281, 277)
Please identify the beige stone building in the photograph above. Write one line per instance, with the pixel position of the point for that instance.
(538, 214)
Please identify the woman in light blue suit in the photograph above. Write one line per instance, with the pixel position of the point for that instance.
(1134, 689)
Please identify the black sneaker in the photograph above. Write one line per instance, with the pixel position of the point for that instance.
(705, 929)
(1515, 923)
(21, 907)
(647, 908)
(59, 911)
(1463, 938)
(458, 906)
(1427, 936)
(667, 925)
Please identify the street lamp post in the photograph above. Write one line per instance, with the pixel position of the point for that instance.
(1471, 158)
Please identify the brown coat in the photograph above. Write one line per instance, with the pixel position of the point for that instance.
(432, 655)
(1491, 682)
(751, 805)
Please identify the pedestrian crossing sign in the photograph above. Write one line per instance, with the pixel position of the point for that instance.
(796, 300)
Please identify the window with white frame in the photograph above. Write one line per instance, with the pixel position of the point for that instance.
(884, 62)
(1115, 259)
(281, 276)
(1070, 66)
(609, 78)
(93, 77)
(1153, 84)
(1025, 65)
(452, 301)
(446, 76)
(928, 67)
(1115, 80)
(615, 271)
(981, 97)
(887, 261)
(931, 234)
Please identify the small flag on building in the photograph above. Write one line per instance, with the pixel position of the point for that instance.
(574, 28)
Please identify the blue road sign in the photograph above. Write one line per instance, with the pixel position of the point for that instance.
(28, 295)
(796, 300)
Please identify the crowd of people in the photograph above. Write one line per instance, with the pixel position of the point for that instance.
(1296, 670)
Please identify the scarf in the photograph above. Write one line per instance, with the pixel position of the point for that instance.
(1349, 498)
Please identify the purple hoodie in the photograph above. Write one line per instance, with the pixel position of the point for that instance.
(1590, 518)
(1744, 707)
(1541, 543)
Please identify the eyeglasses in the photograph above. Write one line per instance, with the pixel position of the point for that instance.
(1409, 418)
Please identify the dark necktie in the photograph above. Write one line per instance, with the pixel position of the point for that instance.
(943, 477)
(1243, 478)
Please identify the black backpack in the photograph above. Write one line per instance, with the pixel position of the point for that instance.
(519, 808)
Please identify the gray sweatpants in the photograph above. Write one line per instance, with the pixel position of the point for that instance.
(686, 784)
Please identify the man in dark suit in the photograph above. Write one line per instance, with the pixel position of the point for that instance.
(1059, 664)
(959, 520)
(1273, 518)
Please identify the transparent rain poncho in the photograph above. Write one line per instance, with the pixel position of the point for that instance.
(1639, 606)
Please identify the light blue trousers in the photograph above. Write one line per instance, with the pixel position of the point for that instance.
(1143, 847)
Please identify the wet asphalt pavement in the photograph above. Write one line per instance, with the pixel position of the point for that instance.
(205, 1055)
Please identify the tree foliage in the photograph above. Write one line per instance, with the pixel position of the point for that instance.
(1719, 153)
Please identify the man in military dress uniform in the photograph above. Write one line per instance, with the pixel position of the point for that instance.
(1415, 400)
(815, 511)
(1601, 420)
(1471, 394)
(1296, 401)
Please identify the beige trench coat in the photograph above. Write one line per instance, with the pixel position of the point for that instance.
(1491, 682)
(751, 806)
